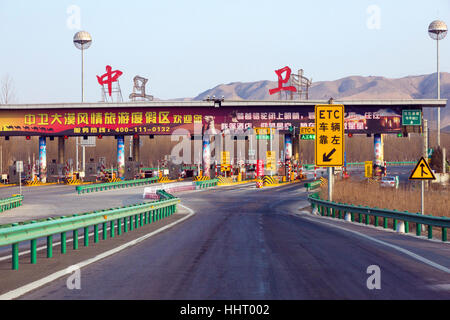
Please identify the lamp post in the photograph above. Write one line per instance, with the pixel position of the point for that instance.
(82, 40)
(437, 30)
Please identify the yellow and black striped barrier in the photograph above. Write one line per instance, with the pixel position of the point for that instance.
(73, 181)
(224, 180)
(270, 181)
(163, 179)
(34, 182)
(114, 180)
(201, 178)
(323, 182)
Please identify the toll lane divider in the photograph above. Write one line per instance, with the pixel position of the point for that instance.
(10, 203)
(270, 180)
(152, 192)
(201, 178)
(206, 184)
(363, 214)
(115, 185)
(133, 216)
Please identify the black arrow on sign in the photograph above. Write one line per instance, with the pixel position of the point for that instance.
(423, 171)
(327, 157)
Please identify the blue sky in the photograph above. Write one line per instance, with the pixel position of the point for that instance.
(187, 47)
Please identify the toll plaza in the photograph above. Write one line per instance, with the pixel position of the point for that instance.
(215, 124)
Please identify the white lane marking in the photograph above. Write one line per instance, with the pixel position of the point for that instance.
(400, 249)
(440, 287)
(13, 294)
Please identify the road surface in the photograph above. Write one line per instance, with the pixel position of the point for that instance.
(245, 243)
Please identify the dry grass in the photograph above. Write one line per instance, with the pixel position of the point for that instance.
(437, 198)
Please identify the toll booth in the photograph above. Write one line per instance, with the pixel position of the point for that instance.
(55, 172)
(132, 170)
(146, 173)
(189, 170)
(91, 171)
(14, 175)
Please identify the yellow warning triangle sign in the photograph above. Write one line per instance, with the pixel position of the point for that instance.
(422, 171)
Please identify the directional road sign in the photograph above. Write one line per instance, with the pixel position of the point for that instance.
(307, 130)
(329, 145)
(411, 117)
(422, 171)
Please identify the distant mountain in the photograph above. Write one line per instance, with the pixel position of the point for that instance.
(353, 87)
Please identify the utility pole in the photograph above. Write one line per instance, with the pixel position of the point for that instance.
(425, 151)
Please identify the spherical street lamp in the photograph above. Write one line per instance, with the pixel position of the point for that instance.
(437, 30)
(82, 40)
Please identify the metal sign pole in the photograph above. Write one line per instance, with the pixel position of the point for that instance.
(330, 184)
(423, 198)
(20, 182)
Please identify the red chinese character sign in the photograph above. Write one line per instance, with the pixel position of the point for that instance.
(109, 77)
(282, 81)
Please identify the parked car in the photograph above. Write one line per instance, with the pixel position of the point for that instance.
(389, 181)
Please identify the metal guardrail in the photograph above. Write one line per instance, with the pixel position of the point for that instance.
(312, 185)
(114, 185)
(10, 203)
(130, 216)
(206, 184)
(389, 163)
(339, 210)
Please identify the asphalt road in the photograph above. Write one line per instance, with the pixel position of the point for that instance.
(245, 243)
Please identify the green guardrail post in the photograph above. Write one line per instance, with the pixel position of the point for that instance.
(136, 221)
(418, 229)
(63, 243)
(360, 220)
(15, 256)
(49, 246)
(141, 219)
(75, 239)
(367, 219)
(111, 229)
(444, 234)
(86, 236)
(119, 227)
(385, 222)
(105, 231)
(131, 223)
(125, 225)
(395, 224)
(96, 233)
(33, 251)
(430, 232)
(376, 221)
(406, 227)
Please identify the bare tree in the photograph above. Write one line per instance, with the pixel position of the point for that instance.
(7, 94)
